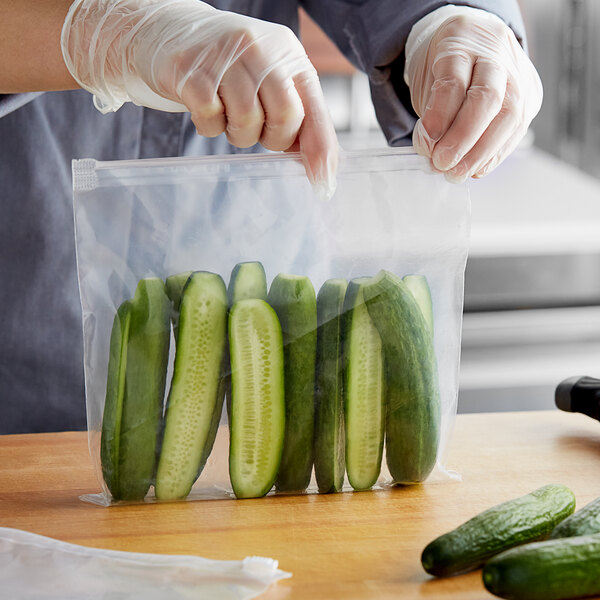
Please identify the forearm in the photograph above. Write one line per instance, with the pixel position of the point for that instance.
(30, 53)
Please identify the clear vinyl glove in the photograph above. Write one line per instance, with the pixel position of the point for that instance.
(235, 74)
(473, 87)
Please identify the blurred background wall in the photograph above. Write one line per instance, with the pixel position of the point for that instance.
(565, 46)
(532, 283)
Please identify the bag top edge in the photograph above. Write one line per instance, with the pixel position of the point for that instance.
(89, 174)
(233, 158)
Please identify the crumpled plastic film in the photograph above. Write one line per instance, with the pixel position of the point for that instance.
(34, 567)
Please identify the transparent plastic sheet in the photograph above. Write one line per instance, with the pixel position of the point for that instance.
(34, 567)
(159, 217)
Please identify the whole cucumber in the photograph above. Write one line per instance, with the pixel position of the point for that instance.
(584, 522)
(558, 569)
(525, 519)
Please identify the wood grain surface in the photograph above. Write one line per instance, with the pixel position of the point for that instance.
(348, 545)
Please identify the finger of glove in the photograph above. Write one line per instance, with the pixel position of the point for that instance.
(522, 102)
(506, 150)
(451, 78)
(500, 130)
(482, 103)
(272, 59)
(207, 110)
(317, 139)
(293, 103)
(199, 66)
(283, 110)
(243, 111)
(524, 94)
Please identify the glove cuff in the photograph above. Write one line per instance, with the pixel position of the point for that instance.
(86, 40)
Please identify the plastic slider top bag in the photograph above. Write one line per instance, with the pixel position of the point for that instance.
(242, 337)
(35, 567)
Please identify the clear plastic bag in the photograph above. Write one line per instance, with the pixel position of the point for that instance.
(160, 217)
(34, 567)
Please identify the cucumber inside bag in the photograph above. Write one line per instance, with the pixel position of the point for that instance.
(276, 343)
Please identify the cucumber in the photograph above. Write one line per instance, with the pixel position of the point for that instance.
(329, 402)
(419, 288)
(175, 285)
(364, 390)
(248, 280)
(293, 298)
(525, 519)
(137, 371)
(115, 393)
(413, 400)
(552, 570)
(584, 522)
(257, 423)
(196, 396)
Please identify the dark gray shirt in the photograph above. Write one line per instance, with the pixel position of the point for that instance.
(41, 372)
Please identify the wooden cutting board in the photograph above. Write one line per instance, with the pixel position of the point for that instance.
(348, 545)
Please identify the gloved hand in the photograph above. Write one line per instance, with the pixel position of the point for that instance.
(474, 88)
(248, 78)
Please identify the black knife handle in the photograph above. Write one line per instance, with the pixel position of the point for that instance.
(579, 395)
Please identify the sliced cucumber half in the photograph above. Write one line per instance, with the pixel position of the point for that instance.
(364, 391)
(196, 395)
(257, 424)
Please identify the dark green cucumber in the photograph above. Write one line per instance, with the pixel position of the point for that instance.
(196, 396)
(519, 521)
(329, 401)
(175, 285)
(136, 388)
(115, 394)
(412, 389)
(257, 423)
(584, 522)
(293, 298)
(364, 390)
(419, 288)
(557, 569)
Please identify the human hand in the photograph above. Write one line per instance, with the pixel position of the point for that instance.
(248, 78)
(474, 88)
